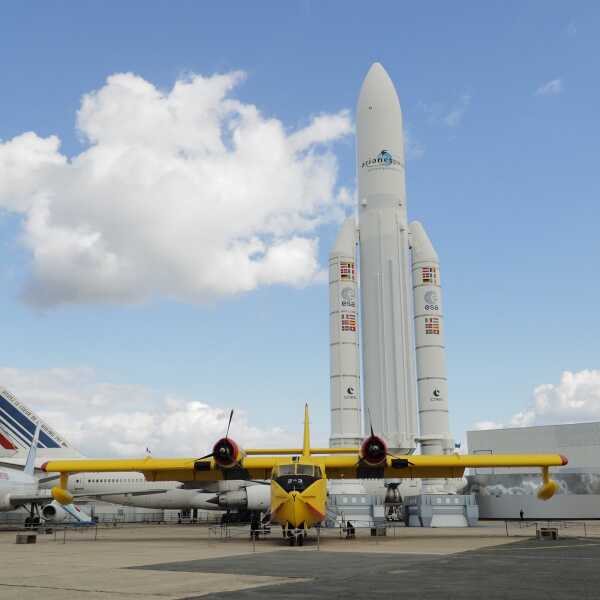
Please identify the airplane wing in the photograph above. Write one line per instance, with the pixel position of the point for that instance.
(21, 499)
(338, 466)
(446, 466)
(172, 469)
(82, 495)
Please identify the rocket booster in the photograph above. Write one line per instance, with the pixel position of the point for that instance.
(389, 372)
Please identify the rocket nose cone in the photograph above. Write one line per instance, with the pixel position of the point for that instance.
(377, 88)
(377, 80)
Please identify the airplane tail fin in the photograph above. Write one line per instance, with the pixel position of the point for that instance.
(17, 426)
(306, 444)
(30, 463)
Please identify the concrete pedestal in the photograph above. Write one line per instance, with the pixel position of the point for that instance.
(441, 510)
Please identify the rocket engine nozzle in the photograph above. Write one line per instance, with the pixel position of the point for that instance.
(373, 451)
(227, 453)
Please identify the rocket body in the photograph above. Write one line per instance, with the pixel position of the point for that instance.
(344, 355)
(389, 372)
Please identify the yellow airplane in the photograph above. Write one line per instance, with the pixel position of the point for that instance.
(299, 476)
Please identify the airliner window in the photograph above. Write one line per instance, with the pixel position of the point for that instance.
(286, 469)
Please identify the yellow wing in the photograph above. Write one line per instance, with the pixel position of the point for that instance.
(342, 463)
(447, 465)
(171, 469)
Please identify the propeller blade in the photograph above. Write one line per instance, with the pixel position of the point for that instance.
(229, 424)
(206, 456)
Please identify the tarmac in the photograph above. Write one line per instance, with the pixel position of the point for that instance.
(186, 562)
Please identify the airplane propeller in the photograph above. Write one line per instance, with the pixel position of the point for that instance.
(375, 447)
(223, 450)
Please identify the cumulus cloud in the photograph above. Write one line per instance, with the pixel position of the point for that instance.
(550, 88)
(187, 193)
(446, 113)
(105, 419)
(575, 399)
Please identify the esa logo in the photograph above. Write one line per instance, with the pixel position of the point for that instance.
(348, 297)
(431, 301)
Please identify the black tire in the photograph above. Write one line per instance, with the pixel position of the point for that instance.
(292, 540)
(301, 540)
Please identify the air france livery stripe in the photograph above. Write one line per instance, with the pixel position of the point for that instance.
(21, 426)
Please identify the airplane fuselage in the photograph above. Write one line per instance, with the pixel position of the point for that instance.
(299, 494)
(134, 490)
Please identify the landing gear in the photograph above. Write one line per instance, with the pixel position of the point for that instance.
(33, 520)
(255, 527)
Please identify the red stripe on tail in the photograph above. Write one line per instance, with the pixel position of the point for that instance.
(6, 443)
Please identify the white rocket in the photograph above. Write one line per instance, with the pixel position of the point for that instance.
(400, 295)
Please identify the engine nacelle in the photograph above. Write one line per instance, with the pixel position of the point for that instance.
(254, 497)
(548, 490)
(55, 512)
(227, 453)
(373, 451)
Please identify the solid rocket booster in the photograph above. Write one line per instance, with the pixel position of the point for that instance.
(385, 288)
(432, 384)
(344, 340)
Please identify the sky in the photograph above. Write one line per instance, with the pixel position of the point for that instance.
(173, 175)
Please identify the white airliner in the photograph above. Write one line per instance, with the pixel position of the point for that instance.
(20, 488)
(18, 424)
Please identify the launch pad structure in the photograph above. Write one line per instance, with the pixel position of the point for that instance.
(400, 333)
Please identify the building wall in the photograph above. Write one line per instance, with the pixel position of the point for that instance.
(503, 493)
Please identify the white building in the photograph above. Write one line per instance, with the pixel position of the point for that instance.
(503, 493)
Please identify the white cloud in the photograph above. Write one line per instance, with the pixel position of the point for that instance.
(482, 425)
(186, 193)
(450, 115)
(457, 112)
(106, 419)
(550, 88)
(575, 399)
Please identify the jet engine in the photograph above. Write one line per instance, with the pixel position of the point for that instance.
(253, 497)
(227, 453)
(56, 513)
(373, 451)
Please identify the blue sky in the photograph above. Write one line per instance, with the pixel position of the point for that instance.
(502, 171)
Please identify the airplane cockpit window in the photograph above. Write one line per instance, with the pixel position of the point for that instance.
(305, 470)
(286, 469)
(299, 469)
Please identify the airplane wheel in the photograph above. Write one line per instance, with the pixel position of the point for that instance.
(301, 540)
(292, 540)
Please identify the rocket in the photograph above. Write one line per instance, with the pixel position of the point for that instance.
(402, 344)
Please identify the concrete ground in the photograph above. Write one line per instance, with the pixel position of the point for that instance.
(186, 562)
